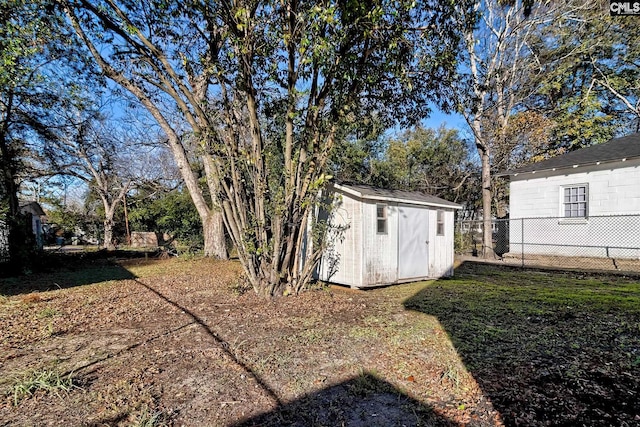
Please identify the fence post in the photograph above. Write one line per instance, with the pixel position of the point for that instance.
(522, 241)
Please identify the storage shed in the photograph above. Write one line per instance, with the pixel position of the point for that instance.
(389, 237)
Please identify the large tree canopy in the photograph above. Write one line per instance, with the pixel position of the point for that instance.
(97, 151)
(436, 161)
(589, 84)
(259, 91)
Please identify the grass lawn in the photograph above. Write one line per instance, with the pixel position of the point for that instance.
(547, 348)
(182, 342)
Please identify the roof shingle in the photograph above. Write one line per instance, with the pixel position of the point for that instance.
(625, 147)
(369, 192)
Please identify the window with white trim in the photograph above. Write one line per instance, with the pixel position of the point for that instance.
(381, 217)
(440, 223)
(575, 201)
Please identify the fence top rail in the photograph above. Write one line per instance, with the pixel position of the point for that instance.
(550, 218)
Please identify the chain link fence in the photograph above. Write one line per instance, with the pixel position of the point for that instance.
(594, 243)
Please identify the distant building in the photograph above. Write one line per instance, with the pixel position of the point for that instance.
(37, 219)
(36, 216)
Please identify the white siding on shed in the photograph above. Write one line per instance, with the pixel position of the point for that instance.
(441, 251)
(380, 261)
(342, 263)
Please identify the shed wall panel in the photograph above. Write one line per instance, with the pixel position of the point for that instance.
(342, 262)
(380, 260)
(441, 253)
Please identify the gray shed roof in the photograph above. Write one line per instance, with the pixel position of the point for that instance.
(399, 196)
(616, 149)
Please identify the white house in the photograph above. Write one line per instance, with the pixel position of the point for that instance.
(389, 237)
(587, 199)
(35, 215)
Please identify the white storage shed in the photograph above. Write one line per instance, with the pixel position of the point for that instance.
(390, 237)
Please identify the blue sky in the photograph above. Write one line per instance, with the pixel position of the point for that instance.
(438, 118)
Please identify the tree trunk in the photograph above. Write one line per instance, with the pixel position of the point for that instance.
(19, 250)
(484, 151)
(215, 244)
(108, 234)
(487, 237)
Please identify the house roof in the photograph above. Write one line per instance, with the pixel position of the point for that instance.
(411, 197)
(616, 149)
(32, 206)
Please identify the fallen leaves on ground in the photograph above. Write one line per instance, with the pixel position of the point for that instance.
(178, 341)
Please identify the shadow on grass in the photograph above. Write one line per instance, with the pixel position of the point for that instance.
(548, 348)
(365, 401)
(66, 270)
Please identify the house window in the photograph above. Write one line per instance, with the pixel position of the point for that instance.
(381, 216)
(440, 223)
(575, 201)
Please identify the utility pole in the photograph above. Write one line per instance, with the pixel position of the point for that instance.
(126, 220)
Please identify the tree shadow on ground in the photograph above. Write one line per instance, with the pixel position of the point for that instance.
(364, 401)
(224, 345)
(67, 270)
(548, 348)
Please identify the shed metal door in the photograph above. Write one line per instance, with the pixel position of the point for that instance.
(413, 242)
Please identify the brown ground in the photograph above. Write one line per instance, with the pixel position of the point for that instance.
(182, 343)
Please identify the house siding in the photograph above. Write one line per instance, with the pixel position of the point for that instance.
(613, 190)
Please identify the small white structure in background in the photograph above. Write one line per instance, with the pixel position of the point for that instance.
(587, 199)
(390, 237)
(37, 217)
